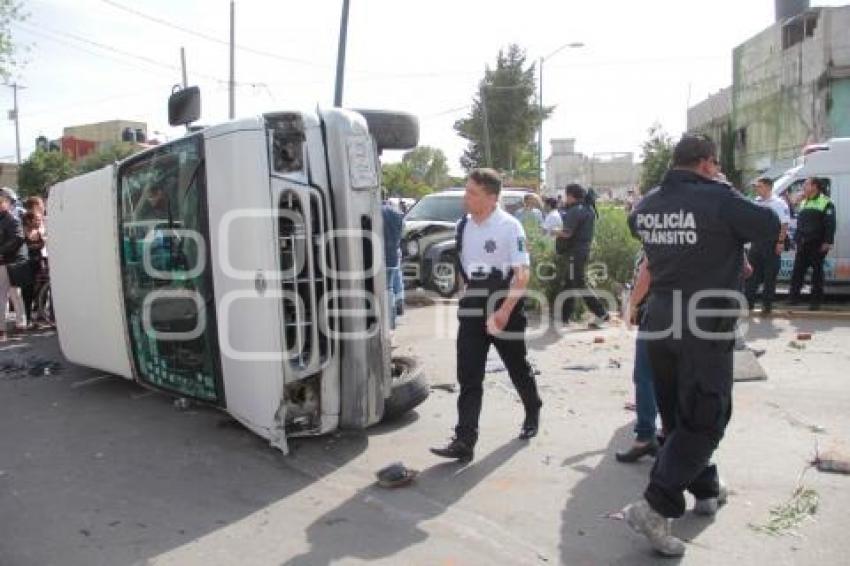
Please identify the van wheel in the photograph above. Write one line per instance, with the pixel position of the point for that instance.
(392, 130)
(409, 387)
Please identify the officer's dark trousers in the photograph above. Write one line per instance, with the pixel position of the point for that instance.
(473, 343)
(693, 388)
(808, 255)
(765, 263)
(572, 273)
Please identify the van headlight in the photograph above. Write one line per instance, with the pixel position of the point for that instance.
(412, 248)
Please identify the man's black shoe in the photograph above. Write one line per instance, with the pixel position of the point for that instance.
(455, 450)
(530, 425)
(637, 451)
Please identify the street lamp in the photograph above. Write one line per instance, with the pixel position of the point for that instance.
(571, 45)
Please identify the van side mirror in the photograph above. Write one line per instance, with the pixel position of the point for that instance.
(184, 106)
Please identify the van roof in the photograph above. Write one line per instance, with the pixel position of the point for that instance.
(830, 157)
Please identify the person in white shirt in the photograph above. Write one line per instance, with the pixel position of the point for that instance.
(765, 258)
(553, 223)
(494, 262)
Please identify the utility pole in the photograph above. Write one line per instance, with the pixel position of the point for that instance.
(572, 45)
(13, 115)
(183, 66)
(232, 86)
(340, 56)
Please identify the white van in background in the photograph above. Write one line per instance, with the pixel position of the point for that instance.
(831, 161)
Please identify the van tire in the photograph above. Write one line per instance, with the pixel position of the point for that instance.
(392, 130)
(409, 388)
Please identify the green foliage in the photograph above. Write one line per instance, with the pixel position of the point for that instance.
(421, 171)
(613, 247)
(398, 180)
(10, 11)
(104, 157)
(544, 260)
(428, 165)
(612, 256)
(657, 153)
(505, 115)
(43, 169)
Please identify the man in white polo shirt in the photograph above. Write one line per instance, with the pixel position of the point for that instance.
(494, 262)
(765, 258)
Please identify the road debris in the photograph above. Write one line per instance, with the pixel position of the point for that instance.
(598, 339)
(581, 367)
(395, 475)
(832, 461)
(785, 518)
(450, 387)
(804, 336)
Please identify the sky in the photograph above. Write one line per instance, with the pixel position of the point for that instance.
(642, 61)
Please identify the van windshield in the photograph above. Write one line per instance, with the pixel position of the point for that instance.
(443, 208)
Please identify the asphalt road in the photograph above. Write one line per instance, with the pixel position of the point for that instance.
(95, 470)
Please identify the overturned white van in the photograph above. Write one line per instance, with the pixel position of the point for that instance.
(241, 266)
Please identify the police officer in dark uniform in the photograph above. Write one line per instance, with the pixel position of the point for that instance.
(693, 230)
(572, 243)
(494, 262)
(814, 237)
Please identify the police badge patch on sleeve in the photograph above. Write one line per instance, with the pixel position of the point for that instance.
(520, 245)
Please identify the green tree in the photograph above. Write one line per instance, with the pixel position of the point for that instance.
(398, 180)
(106, 156)
(428, 165)
(657, 153)
(505, 115)
(10, 11)
(43, 169)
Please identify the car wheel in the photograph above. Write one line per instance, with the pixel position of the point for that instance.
(445, 278)
(409, 387)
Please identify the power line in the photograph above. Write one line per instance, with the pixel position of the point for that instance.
(214, 39)
(113, 49)
(83, 103)
(90, 52)
(208, 37)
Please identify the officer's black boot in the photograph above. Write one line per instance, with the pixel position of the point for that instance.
(455, 450)
(531, 424)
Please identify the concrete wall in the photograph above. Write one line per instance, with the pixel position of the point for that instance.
(715, 108)
(616, 171)
(785, 87)
(104, 132)
(9, 175)
(564, 166)
(605, 171)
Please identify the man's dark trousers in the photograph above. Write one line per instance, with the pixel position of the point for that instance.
(573, 282)
(808, 255)
(765, 263)
(693, 389)
(473, 343)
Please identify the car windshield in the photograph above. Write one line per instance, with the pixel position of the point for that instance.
(440, 208)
